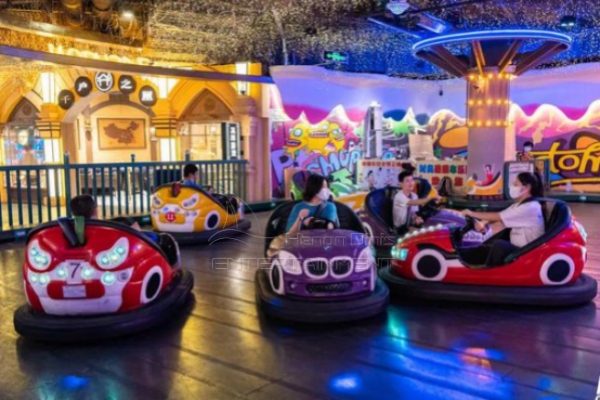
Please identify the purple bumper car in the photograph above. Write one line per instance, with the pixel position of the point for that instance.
(377, 218)
(319, 275)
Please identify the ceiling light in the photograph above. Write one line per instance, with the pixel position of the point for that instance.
(398, 7)
(568, 21)
(127, 15)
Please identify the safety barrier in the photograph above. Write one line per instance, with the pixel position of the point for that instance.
(33, 194)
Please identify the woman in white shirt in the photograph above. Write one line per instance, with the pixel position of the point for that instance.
(525, 219)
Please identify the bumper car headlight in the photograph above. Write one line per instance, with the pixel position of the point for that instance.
(38, 258)
(400, 254)
(289, 263)
(365, 260)
(115, 256)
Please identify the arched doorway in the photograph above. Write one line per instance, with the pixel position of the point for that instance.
(208, 132)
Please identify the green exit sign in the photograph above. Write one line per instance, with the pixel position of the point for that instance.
(337, 57)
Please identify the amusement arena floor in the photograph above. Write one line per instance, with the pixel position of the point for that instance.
(220, 349)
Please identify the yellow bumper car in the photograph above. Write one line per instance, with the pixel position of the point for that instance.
(192, 215)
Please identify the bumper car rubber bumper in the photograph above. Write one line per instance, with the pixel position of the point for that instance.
(332, 311)
(582, 291)
(67, 329)
(212, 235)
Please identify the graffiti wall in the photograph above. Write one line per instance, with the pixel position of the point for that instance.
(317, 121)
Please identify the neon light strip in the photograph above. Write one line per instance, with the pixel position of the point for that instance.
(491, 35)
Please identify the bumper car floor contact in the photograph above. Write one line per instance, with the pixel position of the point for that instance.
(212, 235)
(582, 291)
(66, 329)
(332, 311)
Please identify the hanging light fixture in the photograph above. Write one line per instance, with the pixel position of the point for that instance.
(398, 7)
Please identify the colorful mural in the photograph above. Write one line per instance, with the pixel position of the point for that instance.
(568, 137)
(572, 146)
(331, 146)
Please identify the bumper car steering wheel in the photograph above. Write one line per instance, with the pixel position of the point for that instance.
(460, 233)
(431, 208)
(318, 223)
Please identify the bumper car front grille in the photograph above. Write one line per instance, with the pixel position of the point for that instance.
(341, 267)
(337, 287)
(317, 268)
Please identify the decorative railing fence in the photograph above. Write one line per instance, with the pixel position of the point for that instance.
(33, 194)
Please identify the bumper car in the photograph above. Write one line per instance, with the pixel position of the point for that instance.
(432, 264)
(192, 215)
(337, 189)
(378, 220)
(119, 281)
(319, 275)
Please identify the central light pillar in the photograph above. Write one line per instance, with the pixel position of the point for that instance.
(491, 140)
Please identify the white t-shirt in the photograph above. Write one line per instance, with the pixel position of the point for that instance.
(401, 208)
(526, 222)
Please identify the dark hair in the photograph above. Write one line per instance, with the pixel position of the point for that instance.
(530, 144)
(125, 220)
(314, 184)
(533, 180)
(488, 166)
(369, 173)
(407, 167)
(403, 175)
(189, 169)
(83, 206)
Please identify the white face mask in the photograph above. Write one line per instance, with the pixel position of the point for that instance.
(515, 191)
(527, 149)
(323, 194)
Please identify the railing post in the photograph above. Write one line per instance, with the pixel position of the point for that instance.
(67, 176)
(187, 156)
(132, 186)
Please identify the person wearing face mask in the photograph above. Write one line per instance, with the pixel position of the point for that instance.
(526, 155)
(525, 219)
(316, 195)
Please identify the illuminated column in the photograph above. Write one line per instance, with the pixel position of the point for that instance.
(252, 135)
(490, 142)
(164, 129)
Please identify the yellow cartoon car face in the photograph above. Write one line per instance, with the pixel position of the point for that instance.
(324, 138)
(187, 209)
(356, 201)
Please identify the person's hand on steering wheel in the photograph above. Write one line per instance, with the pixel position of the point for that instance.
(306, 222)
(479, 226)
(466, 212)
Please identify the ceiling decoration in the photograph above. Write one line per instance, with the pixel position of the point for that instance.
(378, 35)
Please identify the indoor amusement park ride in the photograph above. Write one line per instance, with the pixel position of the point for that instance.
(494, 60)
(431, 263)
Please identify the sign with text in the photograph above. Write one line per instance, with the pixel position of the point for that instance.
(148, 96)
(104, 81)
(83, 86)
(66, 98)
(126, 84)
(336, 56)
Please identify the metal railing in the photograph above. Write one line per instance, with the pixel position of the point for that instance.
(33, 194)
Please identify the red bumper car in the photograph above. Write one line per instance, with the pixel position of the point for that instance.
(431, 264)
(118, 281)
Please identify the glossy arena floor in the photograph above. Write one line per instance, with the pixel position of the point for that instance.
(220, 349)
